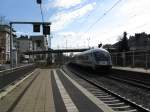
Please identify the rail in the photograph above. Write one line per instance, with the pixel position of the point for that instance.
(9, 76)
(127, 101)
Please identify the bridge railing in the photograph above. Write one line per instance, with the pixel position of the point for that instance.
(132, 59)
(9, 76)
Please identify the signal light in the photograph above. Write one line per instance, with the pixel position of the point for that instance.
(46, 30)
(36, 28)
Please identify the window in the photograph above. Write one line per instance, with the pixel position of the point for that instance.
(101, 56)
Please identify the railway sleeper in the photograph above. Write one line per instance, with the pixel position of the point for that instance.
(112, 101)
(99, 94)
(116, 104)
(122, 108)
(93, 90)
(103, 96)
(107, 98)
(133, 110)
(96, 91)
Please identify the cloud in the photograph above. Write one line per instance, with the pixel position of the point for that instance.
(141, 11)
(62, 3)
(69, 40)
(22, 33)
(130, 15)
(79, 40)
(62, 19)
(66, 3)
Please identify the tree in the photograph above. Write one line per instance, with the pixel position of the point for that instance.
(123, 43)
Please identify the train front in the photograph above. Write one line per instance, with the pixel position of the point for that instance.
(102, 59)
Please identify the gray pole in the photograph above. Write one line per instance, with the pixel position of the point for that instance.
(146, 59)
(133, 59)
(50, 41)
(11, 45)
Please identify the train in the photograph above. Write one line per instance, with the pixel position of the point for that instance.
(97, 58)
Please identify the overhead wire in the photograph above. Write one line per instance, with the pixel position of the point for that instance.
(103, 15)
(88, 15)
(42, 15)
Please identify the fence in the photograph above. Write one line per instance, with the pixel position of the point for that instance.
(132, 59)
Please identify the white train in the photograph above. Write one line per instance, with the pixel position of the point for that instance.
(95, 58)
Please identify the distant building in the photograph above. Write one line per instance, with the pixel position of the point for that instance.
(109, 47)
(23, 44)
(39, 43)
(4, 44)
(34, 43)
(140, 41)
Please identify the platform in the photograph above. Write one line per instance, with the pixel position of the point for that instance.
(50, 90)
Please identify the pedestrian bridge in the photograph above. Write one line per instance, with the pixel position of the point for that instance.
(55, 51)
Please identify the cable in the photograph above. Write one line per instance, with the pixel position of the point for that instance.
(103, 15)
(42, 13)
(88, 15)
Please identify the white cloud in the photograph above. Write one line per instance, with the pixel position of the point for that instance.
(132, 16)
(141, 11)
(62, 3)
(80, 39)
(66, 3)
(23, 33)
(64, 18)
(69, 40)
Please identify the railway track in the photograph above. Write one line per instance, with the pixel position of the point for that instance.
(113, 100)
(13, 76)
(130, 81)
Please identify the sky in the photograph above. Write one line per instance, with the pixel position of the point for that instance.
(81, 23)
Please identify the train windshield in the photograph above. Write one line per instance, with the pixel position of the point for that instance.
(101, 56)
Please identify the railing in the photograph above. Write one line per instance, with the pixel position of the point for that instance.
(9, 76)
(132, 59)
